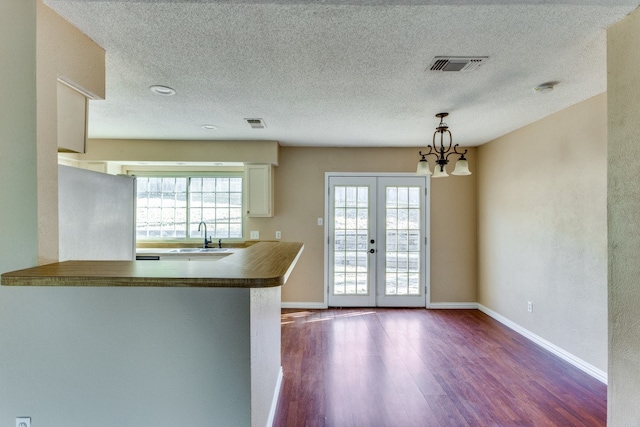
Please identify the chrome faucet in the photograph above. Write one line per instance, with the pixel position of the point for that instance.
(206, 241)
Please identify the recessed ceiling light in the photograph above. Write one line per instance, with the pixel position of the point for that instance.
(162, 90)
(209, 127)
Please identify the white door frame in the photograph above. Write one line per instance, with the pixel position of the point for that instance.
(427, 231)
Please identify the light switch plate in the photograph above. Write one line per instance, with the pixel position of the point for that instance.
(278, 235)
(23, 422)
(319, 221)
(254, 235)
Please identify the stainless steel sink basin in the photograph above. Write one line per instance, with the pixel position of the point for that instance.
(198, 250)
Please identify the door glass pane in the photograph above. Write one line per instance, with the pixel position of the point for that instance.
(402, 252)
(351, 233)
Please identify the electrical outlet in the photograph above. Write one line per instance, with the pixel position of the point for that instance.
(23, 422)
(255, 235)
(529, 306)
(319, 221)
(278, 235)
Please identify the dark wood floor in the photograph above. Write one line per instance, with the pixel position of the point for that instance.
(416, 367)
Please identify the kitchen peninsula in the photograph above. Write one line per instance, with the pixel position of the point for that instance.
(152, 343)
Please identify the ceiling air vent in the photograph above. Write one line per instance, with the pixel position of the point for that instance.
(256, 123)
(456, 63)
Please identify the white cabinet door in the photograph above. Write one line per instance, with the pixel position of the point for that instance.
(72, 119)
(258, 190)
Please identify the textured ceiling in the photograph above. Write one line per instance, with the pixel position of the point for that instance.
(331, 73)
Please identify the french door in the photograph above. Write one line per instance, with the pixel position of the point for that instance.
(377, 245)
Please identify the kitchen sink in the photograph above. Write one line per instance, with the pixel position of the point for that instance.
(198, 250)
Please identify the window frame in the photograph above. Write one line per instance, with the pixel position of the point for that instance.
(190, 174)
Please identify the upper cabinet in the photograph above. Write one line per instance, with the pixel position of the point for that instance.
(258, 180)
(72, 119)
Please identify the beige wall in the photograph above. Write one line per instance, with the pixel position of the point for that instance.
(62, 52)
(623, 58)
(18, 193)
(118, 150)
(299, 202)
(543, 230)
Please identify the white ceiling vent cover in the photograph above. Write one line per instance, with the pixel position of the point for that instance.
(256, 123)
(456, 63)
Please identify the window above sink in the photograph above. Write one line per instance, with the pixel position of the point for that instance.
(170, 206)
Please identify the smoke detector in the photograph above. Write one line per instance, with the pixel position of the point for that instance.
(256, 123)
(456, 63)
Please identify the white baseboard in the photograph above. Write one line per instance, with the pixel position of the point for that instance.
(561, 353)
(274, 401)
(453, 305)
(307, 305)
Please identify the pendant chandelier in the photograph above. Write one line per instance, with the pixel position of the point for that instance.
(442, 154)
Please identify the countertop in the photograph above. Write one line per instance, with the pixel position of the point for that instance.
(262, 265)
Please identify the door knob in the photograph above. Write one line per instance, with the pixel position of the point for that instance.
(373, 241)
(372, 251)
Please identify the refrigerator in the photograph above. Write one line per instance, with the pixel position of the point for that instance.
(96, 215)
